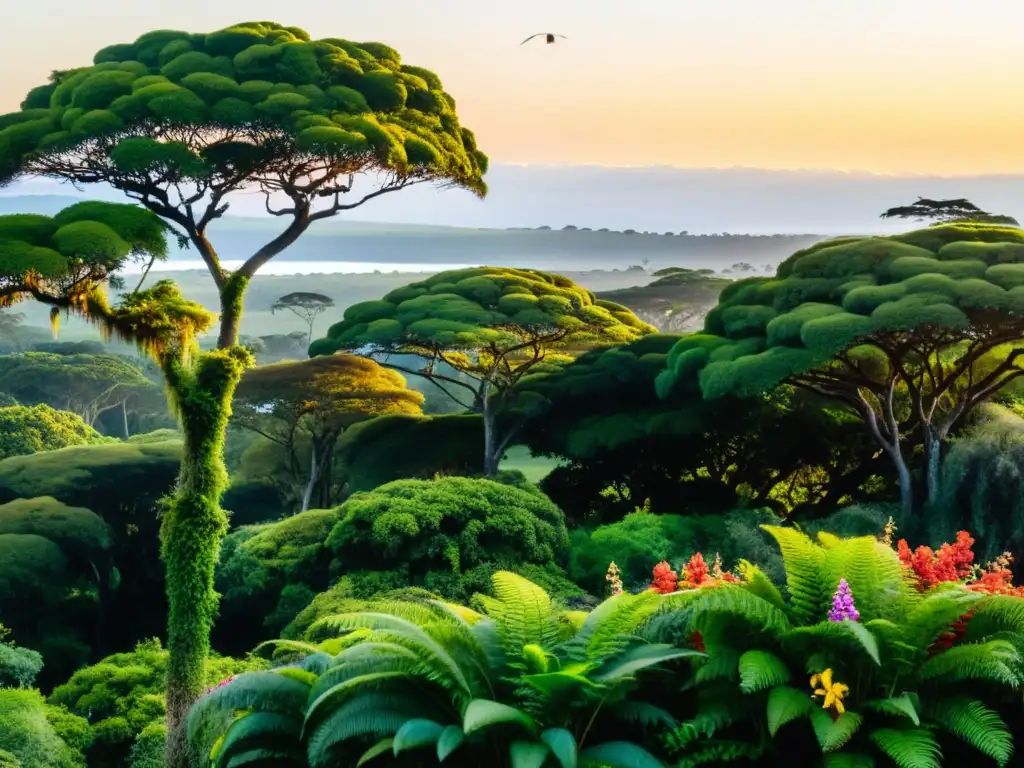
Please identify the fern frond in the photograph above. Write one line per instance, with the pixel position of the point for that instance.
(994, 614)
(717, 752)
(249, 692)
(933, 615)
(637, 659)
(525, 614)
(717, 709)
(609, 628)
(847, 760)
(834, 734)
(757, 583)
(722, 664)
(371, 715)
(901, 706)
(643, 714)
(732, 600)
(995, 661)
(809, 594)
(835, 639)
(255, 731)
(785, 705)
(974, 723)
(910, 748)
(877, 578)
(760, 670)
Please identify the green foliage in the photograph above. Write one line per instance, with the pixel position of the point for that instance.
(333, 98)
(27, 734)
(30, 429)
(389, 448)
(903, 679)
(260, 570)
(982, 486)
(516, 682)
(123, 698)
(448, 534)
(18, 666)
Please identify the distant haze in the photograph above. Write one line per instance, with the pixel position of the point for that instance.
(701, 201)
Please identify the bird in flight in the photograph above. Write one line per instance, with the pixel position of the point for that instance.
(549, 38)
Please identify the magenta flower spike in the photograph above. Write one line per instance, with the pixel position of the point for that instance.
(843, 608)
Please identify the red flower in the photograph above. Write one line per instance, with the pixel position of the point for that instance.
(695, 572)
(697, 641)
(665, 578)
(948, 639)
(953, 562)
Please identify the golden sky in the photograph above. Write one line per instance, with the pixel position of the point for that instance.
(890, 86)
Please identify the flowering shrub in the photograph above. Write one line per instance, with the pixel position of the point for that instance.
(955, 563)
(614, 579)
(665, 578)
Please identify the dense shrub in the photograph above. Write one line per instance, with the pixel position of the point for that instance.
(28, 735)
(446, 535)
(123, 699)
(26, 429)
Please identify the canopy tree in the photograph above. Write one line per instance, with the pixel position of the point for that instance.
(910, 331)
(313, 402)
(496, 325)
(946, 212)
(179, 122)
(627, 447)
(307, 306)
(84, 384)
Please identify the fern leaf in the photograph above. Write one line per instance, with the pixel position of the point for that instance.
(643, 714)
(251, 691)
(994, 661)
(786, 705)
(376, 715)
(994, 614)
(911, 748)
(482, 713)
(639, 658)
(528, 754)
(721, 665)
(721, 751)
(255, 730)
(848, 760)
(329, 701)
(875, 574)
(901, 706)
(415, 734)
(833, 734)
(609, 627)
(269, 756)
(835, 638)
(731, 600)
(804, 561)
(974, 723)
(758, 584)
(562, 745)
(525, 614)
(934, 615)
(760, 670)
(619, 754)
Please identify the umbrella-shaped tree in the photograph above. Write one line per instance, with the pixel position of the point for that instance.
(315, 401)
(494, 325)
(180, 121)
(304, 305)
(910, 331)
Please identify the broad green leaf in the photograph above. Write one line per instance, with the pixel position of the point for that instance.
(378, 749)
(450, 740)
(482, 713)
(785, 705)
(562, 745)
(527, 754)
(415, 734)
(641, 657)
(619, 754)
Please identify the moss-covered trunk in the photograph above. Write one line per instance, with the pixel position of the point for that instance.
(192, 528)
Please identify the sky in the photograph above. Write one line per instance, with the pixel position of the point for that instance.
(885, 86)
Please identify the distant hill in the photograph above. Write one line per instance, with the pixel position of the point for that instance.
(570, 249)
(709, 200)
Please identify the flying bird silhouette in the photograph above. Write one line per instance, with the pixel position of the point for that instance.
(549, 38)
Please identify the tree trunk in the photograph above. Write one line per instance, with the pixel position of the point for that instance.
(232, 295)
(192, 528)
(124, 417)
(906, 487)
(492, 456)
(932, 463)
(314, 474)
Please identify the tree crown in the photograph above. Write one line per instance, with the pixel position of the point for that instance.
(483, 308)
(942, 285)
(261, 94)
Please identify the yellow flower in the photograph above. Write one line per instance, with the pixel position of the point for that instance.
(833, 692)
